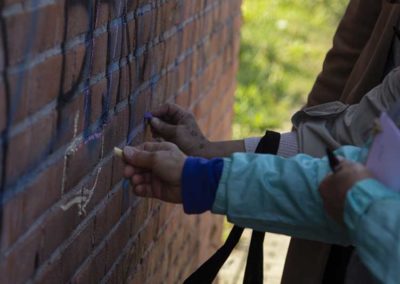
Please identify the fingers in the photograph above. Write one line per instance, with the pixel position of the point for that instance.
(143, 156)
(156, 146)
(170, 112)
(350, 166)
(143, 190)
(144, 178)
(129, 171)
(144, 186)
(138, 158)
(342, 163)
(162, 128)
(141, 183)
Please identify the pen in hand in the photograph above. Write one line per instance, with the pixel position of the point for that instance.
(333, 160)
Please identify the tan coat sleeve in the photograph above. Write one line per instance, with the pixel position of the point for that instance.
(351, 36)
(334, 124)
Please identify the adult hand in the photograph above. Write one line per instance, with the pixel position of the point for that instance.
(334, 187)
(179, 126)
(155, 170)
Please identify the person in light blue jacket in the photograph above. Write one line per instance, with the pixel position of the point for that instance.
(281, 195)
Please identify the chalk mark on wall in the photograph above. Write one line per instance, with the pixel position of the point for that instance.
(83, 197)
(70, 150)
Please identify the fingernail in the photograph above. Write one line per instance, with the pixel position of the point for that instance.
(128, 152)
(148, 116)
(155, 121)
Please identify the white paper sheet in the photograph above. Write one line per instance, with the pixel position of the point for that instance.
(384, 155)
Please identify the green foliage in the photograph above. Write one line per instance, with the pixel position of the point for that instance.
(282, 49)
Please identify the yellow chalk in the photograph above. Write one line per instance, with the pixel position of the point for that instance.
(118, 152)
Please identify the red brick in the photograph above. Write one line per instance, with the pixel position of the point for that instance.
(107, 217)
(92, 271)
(57, 227)
(117, 242)
(75, 86)
(108, 253)
(159, 94)
(80, 162)
(100, 53)
(117, 130)
(102, 13)
(183, 98)
(144, 30)
(29, 148)
(127, 39)
(30, 92)
(2, 57)
(78, 21)
(20, 264)
(9, 2)
(171, 51)
(25, 207)
(115, 42)
(3, 106)
(23, 31)
(122, 83)
(103, 186)
(63, 267)
(73, 71)
(168, 14)
(67, 115)
(97, 93)
(172, 83)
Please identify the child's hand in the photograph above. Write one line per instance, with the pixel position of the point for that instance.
(155, 170)
(334, 187)
(179, 126)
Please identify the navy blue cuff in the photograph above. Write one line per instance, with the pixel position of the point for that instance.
(200, 178)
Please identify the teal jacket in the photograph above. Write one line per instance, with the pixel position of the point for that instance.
(274, 194)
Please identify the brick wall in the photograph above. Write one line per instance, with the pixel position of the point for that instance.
(76, 79)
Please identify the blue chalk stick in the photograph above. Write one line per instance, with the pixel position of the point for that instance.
(148, 116)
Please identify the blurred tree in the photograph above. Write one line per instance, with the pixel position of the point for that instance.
(282, 49)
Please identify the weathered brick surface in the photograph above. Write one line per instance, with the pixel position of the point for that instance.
(76, 78)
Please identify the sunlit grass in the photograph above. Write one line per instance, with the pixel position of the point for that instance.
(282, 49)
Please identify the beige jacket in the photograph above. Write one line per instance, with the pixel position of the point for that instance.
(334, 124)
(355, 65)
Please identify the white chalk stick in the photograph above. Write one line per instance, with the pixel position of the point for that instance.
(118, 152)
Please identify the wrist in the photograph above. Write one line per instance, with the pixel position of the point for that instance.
(204, 149)
(200, 178)
(219, 149)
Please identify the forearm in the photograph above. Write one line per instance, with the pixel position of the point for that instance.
(287, 146)
(221, 149)
(372, 214)
(269, 193)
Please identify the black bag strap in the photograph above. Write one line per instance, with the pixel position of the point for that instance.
(254, 272)
(207, 272)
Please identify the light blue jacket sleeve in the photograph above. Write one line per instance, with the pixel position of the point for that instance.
(270, 193)
(372, 215)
